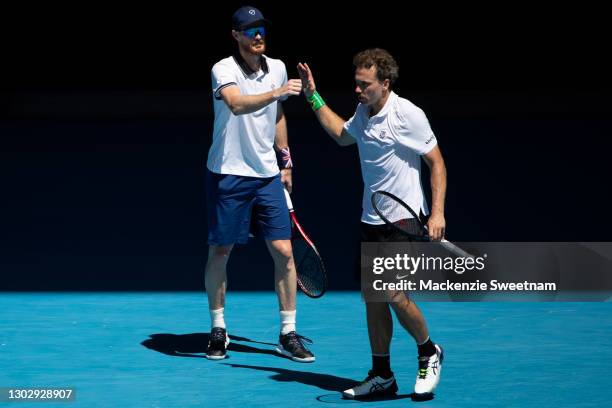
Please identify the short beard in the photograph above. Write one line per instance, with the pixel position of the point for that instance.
(247, 49)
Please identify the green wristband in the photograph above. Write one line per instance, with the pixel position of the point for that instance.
(316, 102)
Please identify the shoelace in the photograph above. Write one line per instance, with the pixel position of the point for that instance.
(369, 377)
(217, 336)
(423, 365)
(298, 340)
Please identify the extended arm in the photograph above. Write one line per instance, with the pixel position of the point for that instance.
(242, 104)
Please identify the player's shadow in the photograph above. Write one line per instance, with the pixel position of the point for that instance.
(326, 382)
(194, 345)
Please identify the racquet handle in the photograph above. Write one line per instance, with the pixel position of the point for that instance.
(289, 202)
(455, 249)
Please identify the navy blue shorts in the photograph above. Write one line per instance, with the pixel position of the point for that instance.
(234, 203)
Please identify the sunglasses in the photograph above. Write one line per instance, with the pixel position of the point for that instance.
(252, 32)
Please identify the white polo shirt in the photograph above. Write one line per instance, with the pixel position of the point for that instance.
(243, 144)
(390, 147)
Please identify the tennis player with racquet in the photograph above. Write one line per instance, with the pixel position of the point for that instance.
(245, 179)
(392, 135)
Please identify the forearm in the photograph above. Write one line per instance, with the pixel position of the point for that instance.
(280, 138)
(243, 104)
(281, 146)
(332, 123)
(438, 187)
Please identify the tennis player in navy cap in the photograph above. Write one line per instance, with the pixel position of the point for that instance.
(249, 166)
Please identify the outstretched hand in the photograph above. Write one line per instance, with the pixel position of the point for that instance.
(308, 84)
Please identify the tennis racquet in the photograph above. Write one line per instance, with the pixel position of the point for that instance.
(311, 276)
(395, 212)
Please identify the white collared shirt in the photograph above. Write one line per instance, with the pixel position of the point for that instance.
(390, 147)
(243, 144)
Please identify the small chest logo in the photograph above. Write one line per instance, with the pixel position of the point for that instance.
(383, 134)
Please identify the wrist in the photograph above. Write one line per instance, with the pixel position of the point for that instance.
(283, 158)
(276, 94)
(308, 93)
(316, 101)
(436, 212)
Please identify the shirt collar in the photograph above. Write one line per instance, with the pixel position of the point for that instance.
(246, 69)
(388, 104)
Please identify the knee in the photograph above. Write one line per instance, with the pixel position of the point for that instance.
(219, 253)
(284, 251)
(399, 301)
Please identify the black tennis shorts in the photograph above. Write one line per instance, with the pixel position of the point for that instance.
(383, 233)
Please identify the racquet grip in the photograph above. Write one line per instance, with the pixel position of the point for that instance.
(455, 249)
(288, 198)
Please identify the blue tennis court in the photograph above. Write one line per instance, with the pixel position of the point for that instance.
(146, 350)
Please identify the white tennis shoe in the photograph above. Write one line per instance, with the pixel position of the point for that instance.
(428, 375)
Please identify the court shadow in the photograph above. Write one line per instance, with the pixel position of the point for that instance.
(337, 398)
(324, 381)
(194, 345)
(421, 397)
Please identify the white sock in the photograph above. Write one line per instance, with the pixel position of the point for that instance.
(216, 318)
(287, 320)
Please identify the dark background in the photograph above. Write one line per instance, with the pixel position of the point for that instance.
(106, 120)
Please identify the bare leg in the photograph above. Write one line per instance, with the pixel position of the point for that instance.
(285, 280)
(216, 281)
(410, 317)
(380, 326)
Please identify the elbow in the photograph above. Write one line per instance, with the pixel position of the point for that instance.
(439, 168)
(340, 136)
(236, 110)
(337, 137)
(235, 107)
(435, 163)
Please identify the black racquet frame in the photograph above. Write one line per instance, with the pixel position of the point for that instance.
(423, 238)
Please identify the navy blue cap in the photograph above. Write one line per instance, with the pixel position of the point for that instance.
(247, 17)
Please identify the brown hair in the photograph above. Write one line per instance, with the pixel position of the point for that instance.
(386, 67)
